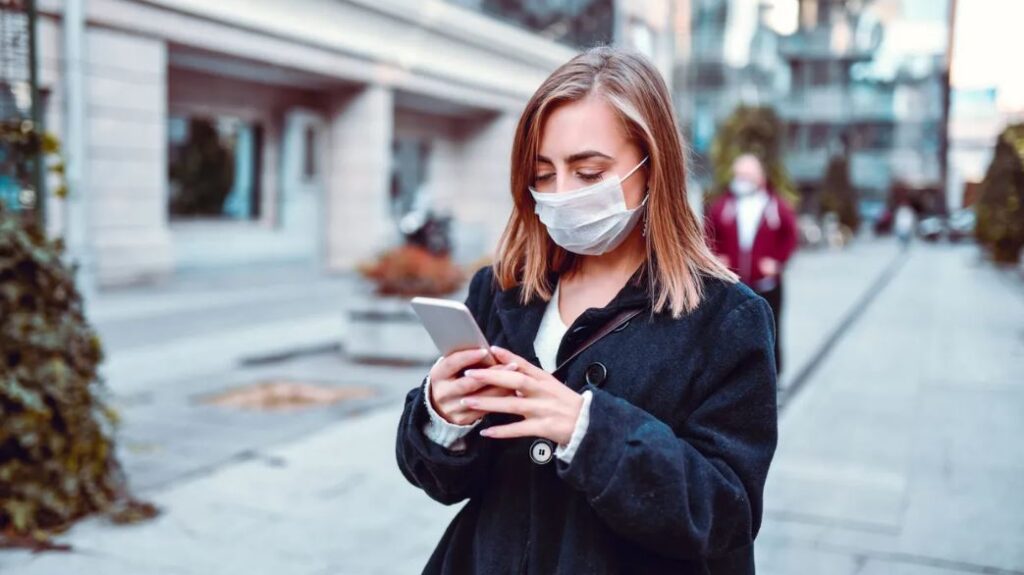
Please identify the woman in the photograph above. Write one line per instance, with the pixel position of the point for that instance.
(662, 431)
(753, 230)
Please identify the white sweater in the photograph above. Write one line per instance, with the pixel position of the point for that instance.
(549, 337)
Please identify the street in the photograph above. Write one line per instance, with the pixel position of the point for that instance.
(899, 446)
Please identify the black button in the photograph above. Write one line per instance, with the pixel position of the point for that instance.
(596, 373)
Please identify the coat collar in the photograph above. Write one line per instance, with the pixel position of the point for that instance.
(521, 322)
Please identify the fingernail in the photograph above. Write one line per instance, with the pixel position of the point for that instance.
(467, 402)
(495, 348)
(472, 372)
(511, 366)
(484, 351)
(485, 432)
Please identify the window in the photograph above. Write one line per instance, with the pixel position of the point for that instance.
(818, 136)
(710, 75)
(873, 135)
(793, 137)
(409, 177)
(214, 167)
(819, 72)
(309, 153)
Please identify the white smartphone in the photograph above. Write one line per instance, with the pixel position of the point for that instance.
(450, 324)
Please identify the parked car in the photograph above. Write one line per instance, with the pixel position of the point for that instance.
(961, 225)
(931, 228)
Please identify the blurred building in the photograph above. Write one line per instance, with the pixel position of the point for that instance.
(241, 132)
(825, 81)
(889, 127)
(731, 59)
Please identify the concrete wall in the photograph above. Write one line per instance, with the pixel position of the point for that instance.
(125, 86)
(360, 134)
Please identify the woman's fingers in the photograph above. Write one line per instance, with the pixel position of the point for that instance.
(524, 428)
(510, 380)
(468, 385)
(505, 356)
(455, 362)
(506, 404)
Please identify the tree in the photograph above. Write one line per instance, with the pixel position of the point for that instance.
(1000, 205)
(57, 456)
(838, 194)
(757, 131)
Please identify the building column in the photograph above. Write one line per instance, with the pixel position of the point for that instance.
(126, 147)
(358, 225)
(482, 206)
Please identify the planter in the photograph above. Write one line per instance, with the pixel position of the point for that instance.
(384, 329)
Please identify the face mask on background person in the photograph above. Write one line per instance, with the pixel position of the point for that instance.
(592, 220)
(742, 187)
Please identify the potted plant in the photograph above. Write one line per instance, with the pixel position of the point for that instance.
(382, 326)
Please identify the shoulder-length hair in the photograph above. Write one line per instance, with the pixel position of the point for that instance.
(677, 255)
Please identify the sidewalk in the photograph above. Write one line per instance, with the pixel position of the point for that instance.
(822, 290)
(903, 453)
(205, 322)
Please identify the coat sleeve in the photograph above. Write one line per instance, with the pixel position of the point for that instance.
(448, 476)
(711, 227)
(789, 234)
(694, 491)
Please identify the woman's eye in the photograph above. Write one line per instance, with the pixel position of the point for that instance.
(543, 177)
(590, 177)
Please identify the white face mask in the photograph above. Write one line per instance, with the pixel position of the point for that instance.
(742, 187)
(592, 220)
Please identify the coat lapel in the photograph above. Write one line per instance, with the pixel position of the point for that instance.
(521, 322)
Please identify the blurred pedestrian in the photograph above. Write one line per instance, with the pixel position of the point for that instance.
(904, 223)
(754, 232)
(629, 419)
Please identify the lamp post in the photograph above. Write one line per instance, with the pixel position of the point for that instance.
(38, 180)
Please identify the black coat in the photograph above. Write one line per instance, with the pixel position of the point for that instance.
(670, 474)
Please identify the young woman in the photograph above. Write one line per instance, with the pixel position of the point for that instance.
(647, 452)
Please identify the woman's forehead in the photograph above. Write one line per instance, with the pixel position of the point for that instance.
(587, 124)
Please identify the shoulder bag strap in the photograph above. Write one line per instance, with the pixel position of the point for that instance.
(621, 318)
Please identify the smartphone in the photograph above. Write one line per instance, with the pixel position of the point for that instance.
(450, 324)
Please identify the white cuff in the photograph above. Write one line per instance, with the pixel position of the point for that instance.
(566, 452)
(442, 432)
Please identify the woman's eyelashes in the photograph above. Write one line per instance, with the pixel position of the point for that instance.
(582, 176)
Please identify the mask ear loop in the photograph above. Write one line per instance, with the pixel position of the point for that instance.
(635, 168)
(646, 190)
(647, 208)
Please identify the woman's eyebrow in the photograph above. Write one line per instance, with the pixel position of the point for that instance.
(578, 156)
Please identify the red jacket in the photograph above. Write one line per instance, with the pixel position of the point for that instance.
(776, 238)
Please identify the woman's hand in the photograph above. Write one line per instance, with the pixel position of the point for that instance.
(549, 408)
(447, 387)
(769, 266)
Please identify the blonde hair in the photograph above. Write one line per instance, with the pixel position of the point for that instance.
(677, 254)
